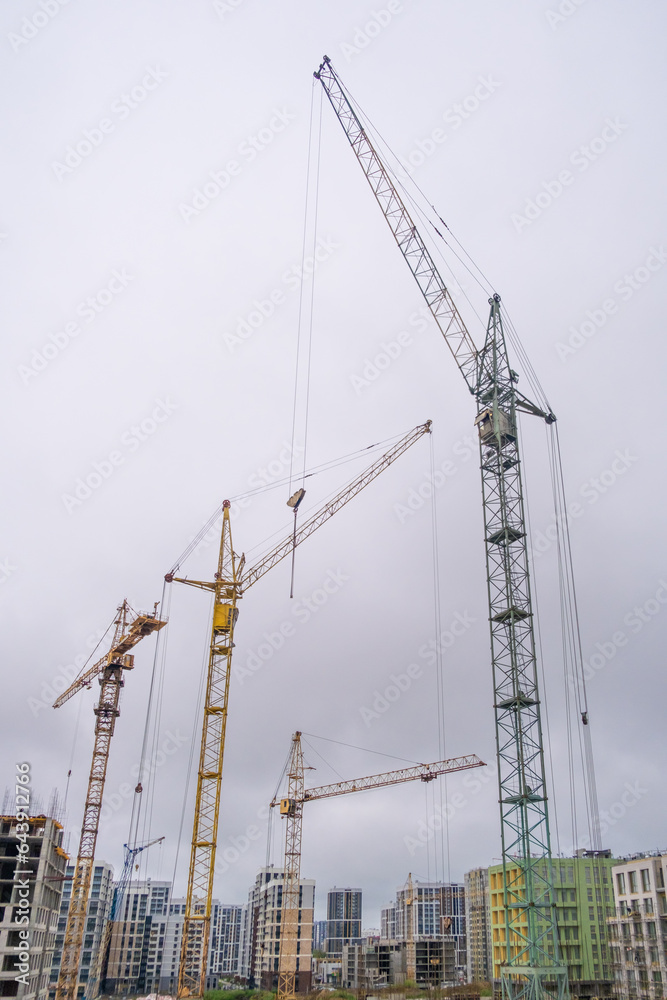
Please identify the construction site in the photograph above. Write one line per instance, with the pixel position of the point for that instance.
(454, 659)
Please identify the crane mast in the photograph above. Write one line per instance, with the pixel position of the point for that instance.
(230, 583)
(532, 967)
(291, 808)
(129, 629)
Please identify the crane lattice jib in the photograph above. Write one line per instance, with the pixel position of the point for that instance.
(425, 772)
(292, 809)
(532, 966)
(257, 571)
(411, 244)
(106, 713)
(228, 587)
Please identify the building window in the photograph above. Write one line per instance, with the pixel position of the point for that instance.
(620, 883)
(634, 886)
(646, 880)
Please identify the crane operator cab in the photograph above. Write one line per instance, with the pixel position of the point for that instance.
(490, 431)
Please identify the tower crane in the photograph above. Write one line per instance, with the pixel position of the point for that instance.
(410, 951)
(292, 808)
(100, 973)
(231, 581)
(532, 967)
(129, 629)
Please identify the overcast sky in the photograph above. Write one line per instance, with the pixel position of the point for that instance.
(151, 234)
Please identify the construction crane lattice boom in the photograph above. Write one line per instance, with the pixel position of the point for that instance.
(129, 629)
(532, 968)
(292, 808)
(230, 583)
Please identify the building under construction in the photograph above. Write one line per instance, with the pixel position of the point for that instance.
(30, 890)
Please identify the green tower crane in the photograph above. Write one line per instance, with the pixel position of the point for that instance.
(531, 968)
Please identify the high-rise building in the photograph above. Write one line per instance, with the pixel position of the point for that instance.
(583, 901)
(97, 915)
(31, 883)
(478, 925)
(438, 911)
(138, 937)
(225, 943)
(263, 930)
(638, 929)
(343, 920)
(319, 935)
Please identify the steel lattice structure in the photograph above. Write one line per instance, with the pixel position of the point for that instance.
(128, 631)
(532, 967)
(228, 587)
(292, 808)
(289, 920)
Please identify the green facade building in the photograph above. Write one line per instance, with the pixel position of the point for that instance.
(584, 899)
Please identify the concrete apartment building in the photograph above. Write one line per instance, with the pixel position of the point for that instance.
(373, 964)
(638, 928)
(584, 901)
(263, 930)
(343, 920)
(438, 912)
(33, 907)
(478, 926)
(97, 915)
(138, 938)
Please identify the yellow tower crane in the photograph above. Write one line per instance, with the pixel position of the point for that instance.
(228, 586)
(129, 629)
(292, 808)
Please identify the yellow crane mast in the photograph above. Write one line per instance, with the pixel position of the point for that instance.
(292, 808)
(230, 583)
(129, 629)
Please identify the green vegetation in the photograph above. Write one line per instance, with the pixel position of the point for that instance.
(246, 994)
